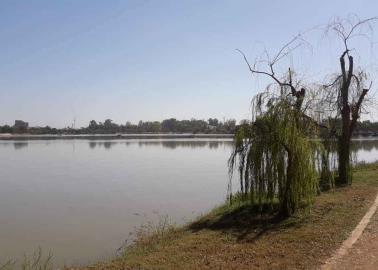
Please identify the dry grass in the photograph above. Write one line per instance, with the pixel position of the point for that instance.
(232, 237)
(36, 261)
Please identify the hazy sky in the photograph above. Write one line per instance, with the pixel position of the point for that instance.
(150, 60)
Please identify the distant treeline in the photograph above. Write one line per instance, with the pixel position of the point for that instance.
(212, 126)
(367, 127)
(364, 128)
(172, 125)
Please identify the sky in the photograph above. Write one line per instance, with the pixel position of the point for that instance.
(156, 59)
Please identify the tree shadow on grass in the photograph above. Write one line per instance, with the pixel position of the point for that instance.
(247, 222)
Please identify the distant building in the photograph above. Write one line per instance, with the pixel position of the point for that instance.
(20, 126)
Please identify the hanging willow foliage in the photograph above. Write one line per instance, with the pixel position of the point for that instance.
(276, 158)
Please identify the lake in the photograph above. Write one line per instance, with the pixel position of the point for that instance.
(81, 198)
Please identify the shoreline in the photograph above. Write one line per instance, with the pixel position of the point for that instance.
(231, 236)
(21, 137)
(26, 137)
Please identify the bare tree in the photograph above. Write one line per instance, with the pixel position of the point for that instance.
(346, 94)
(285, 82)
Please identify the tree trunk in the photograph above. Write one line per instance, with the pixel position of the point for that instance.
(344, 138)
(344, 148)
(326, 179)
(287, 207)
(344, 162)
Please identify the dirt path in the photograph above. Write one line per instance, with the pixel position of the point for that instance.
(364, 252)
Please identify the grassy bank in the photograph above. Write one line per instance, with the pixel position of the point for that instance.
(232, 237)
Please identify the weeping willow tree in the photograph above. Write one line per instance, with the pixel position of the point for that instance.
(276, 159)
(274, 154)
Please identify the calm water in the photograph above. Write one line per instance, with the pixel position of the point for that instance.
(81, 199)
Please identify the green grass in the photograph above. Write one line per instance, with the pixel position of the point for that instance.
(235, 237)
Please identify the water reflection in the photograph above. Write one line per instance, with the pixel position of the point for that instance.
(20, 145)
(170, 144)
(366, 145)
(357, 145)
(92, 144)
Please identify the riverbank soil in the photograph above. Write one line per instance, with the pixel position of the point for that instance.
(232, 237)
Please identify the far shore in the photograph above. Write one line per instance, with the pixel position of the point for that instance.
(114, 136)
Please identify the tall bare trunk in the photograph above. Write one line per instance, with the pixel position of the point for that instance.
(344, 138)
(344, 161)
